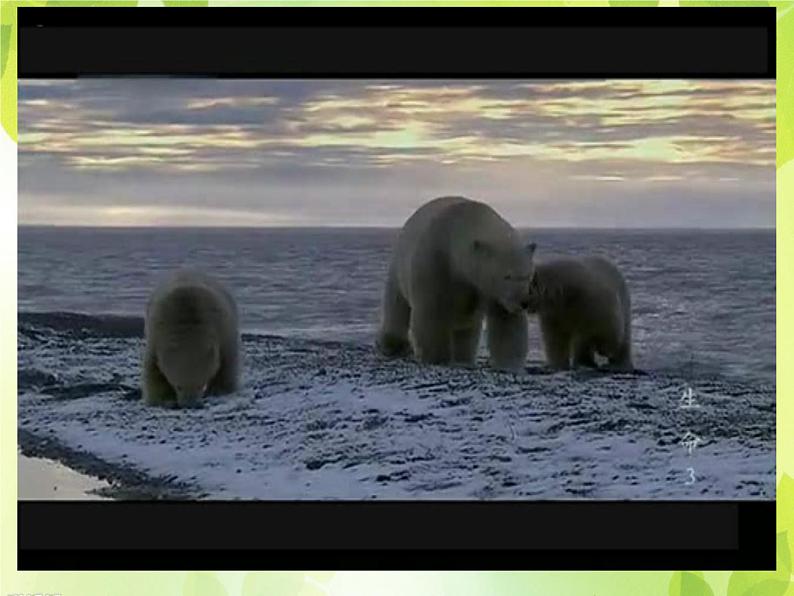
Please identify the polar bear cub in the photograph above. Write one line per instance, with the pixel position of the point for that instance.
(584, 309)
(192, 341)
(455, 263)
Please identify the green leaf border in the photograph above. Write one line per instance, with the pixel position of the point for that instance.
(681, 583)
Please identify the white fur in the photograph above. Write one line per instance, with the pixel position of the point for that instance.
(584, 309)
(448, 274)
(192, 338)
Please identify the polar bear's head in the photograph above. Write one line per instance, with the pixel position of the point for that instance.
(541, 295)
(186, 340)
(537, 296)
(503, 272)
(546, 289)
(189, 365)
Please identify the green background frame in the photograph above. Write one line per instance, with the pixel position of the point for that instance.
(470, 583)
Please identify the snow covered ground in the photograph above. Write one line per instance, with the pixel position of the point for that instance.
(325, 420)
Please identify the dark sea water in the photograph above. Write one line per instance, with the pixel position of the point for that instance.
(703, 301)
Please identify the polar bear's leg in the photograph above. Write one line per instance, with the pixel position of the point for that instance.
(583, 353)
(227, 379)
(617, 348)
(620, 356)
(508, 338)
(396, 316)
(556, 343)
(432, 335)
(155, 388)
(465, 343)
(623, 360)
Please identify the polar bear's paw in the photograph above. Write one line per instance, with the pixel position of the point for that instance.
(393, 346)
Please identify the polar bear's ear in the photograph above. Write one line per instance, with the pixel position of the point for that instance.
(530, 248)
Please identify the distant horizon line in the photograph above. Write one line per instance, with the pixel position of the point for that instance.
(380, 227)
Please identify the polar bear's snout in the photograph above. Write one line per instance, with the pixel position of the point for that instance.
(513, 293)
(189, 392)
(190, 397)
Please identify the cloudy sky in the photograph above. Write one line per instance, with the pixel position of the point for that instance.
(307, 153)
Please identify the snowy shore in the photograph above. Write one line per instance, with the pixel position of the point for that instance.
(319, 420)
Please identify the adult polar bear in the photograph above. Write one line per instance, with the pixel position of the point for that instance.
(192, 341)
(456, 262)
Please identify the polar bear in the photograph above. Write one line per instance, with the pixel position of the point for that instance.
(192, 341)
(584, 309)
(455, 263)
